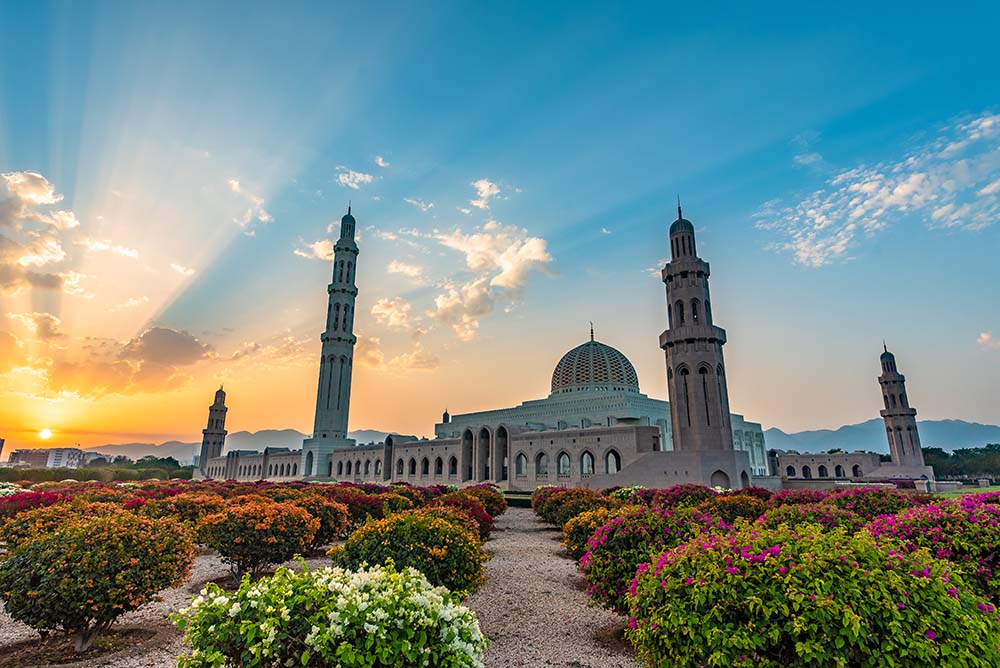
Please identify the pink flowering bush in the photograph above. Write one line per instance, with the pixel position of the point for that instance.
(19, 503)
(630, 538)
(756, 492)
(684, 494)
(824, 514)
(797, 597)
(966, 532)
(788, 497)
(872, 502)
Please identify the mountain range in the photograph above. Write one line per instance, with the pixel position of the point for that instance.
(869, 436)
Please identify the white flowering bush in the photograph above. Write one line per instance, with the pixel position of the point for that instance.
(10, 489)
(373, 618)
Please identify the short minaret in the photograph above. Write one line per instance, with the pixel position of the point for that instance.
(900, 418)
(333, 395)
(696, 375)
(213, 436)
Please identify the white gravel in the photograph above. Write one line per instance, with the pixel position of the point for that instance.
(532, 608)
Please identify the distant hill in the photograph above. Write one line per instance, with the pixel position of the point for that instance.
(241, 440)
(870, 436)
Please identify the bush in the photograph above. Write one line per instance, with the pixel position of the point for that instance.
(332, 518)
(18, 503)
(630, 538)
(568, 503)
(757, 492)
(10, 489)
(490, 497)
(622, 493)
(372, 618)
(792, 598)
(578, 530)
(44, 520)
(685, 494)
(872, 502)
(472, 508)
(395, 503)
(730, 507)
(190, 507)
(541, 494)
(447, 554)
(85, 575)
(825, 515)
(787, 497)
(360, 506)
(966, 532)
(254, 533)
(454, 515)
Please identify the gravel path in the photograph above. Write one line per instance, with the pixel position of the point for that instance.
(533, 609)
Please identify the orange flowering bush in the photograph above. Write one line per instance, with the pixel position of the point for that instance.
(491, 498)
(566, 504)
(252, 533)
(188, 507)
(447, 554)
(728, 507)
(452, 514)
(45, 519)
(332, 517)
(83, 576)
(395, 503)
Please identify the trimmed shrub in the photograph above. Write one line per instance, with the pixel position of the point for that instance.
(730, 507)
(872, 502)
(578, 530)
(630, 538)
(452, 514)
(85, 575)
(541, 494)
(472, 508)
(416, 495)
(685, 494)
(190, 507)
(449, 555)
(395, 503)
(332, 518)
(254, 533)
(966, 532)
(825, 515)
(568, 503)
(491, 498)
(796, 598)
(373, 618)
(787, 497)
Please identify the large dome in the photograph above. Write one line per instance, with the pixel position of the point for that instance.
(594, 366)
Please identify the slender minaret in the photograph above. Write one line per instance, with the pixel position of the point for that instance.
(213, 436)
(696, 375)
(900, 418)
(333, 395)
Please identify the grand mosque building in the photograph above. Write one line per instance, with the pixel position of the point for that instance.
(596, 428)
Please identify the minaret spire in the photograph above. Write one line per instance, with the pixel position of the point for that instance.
(591, 330)
(680, 215)
(884, 346)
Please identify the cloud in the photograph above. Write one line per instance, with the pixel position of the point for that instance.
(11, 352)
(317, 250)
(43, 326)
(807, 158)
(656, 270)
(255, 211)
(987, 342)
(461, 307)
(381, 162)
(162, 345)
(413, 271)
(131, 302)
(368, 352)
(285, 350)
(485, 191)
(605, 230)
(420, 204)
(181, 269)
(352, 179)
(945, 182)
(393, 313)
(109, 247)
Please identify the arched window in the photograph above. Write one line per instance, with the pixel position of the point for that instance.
(520, 464)
(399, 467)
(684, 389)
(348, 468)
(703, 372)
(413, 466)
(892, 398)
(612, 462)
(340, 468)
(586, 463)
(453, 466)
(679, 307)
(295, 469)
(357, 467)
(790, 472)
(368, 467)
(823, 472)
(694, 311)
(542, 464)
(838, 471)
(347, 322)
(425, 466)
(270, 469)
(670, 315)
(562, 464)
(336, 317)
(378, 467)
(348, 272)
(807, 472)
(856, 471)
(340, 274)
(438, 466)
(902, 399)
(708, 312)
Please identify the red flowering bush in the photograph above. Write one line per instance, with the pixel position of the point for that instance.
(642, 496)
(188, 507)
(754, 491)
(684, 494)
(83, 576)
(826, 515)
(471, 507)
(792, 598)
(788, 497)
(360, 506)
(872, 502)
(566, 504)
(394, 503)
(966, 532)
(18, 503)
(252, 534)
(541, 494)
(729, 507)
(416, 495)
(630, 538)
(491, 498)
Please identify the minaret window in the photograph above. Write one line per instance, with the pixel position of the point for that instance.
(340, 272)
(679, 307)
(703, 372)
(336, 317)
(349, 272)
(694, 311)
(708, 312)
(670, 315)
(687, 401)
(892, 397)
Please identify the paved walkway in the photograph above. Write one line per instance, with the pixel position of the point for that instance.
(533, 608)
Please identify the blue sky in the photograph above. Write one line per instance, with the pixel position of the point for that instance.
(837, 162)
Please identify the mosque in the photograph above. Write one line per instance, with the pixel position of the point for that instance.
(595, 429)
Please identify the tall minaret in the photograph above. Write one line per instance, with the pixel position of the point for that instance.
(696, 374)
(213, 436)
(900, 418)
(333, 395)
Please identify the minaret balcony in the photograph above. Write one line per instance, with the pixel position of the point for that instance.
(692, 333)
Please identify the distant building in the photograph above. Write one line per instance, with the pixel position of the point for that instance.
(52, 458)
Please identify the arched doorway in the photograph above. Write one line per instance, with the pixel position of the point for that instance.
(499, 464)
(466, 455)
(719, 479)
(483, 454)
(744, 480)
(309, 463)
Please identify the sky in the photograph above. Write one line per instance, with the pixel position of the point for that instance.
(172, 176)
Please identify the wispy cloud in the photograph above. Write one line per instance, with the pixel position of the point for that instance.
(352, 179)
(131, 302)
(381, 162)
(807, 158)
(605, 230)
(368, 352)
(485, 191)
(411, 270)
(656, 270)
(946, 182)
(317, 250)
(419, 203)
(181, 269)
(986, 341)
(253, 213)
(44, 326)
(393, 313)
(107, 246)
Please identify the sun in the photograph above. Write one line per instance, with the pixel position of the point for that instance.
(45, 434)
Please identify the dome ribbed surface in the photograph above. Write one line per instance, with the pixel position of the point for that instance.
(593, 364)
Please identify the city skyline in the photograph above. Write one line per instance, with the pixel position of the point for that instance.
(167, 219)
